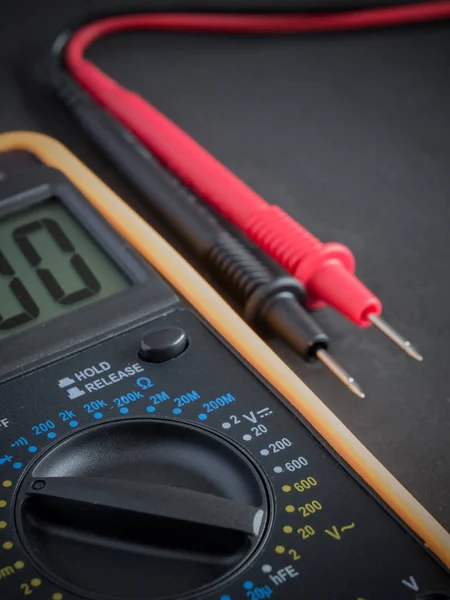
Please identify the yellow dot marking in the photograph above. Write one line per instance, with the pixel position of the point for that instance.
(288, 529)
(3, 503)
(57, 596)
(7, 483)
(3, 524)
(7, 545)
(36, 582)
(286, 488)
(280, 549)
(19, 565)
(290, 508)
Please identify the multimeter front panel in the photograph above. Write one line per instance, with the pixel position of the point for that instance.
(141, 458)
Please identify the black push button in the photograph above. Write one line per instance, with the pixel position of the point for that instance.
(163, 344)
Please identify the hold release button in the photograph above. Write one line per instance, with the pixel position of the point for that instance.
(163, 344)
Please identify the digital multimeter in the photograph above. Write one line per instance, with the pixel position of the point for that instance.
(152, 446)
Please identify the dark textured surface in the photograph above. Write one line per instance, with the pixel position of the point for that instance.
(350, 134)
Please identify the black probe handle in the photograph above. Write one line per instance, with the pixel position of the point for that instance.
(149, 500)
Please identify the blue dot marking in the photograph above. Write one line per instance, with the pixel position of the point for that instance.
(73, 423)
(150, 409)
(98, 415)
(123, 411)
(32, 449)
(17, 465)
(248, 585)
(202, 417)
(177, 411)
(51, 435)
(226, 597)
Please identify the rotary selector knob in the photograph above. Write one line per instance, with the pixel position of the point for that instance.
(143, 509)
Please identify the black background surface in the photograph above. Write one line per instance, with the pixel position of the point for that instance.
(350, 133)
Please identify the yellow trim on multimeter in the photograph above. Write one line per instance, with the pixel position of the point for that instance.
(215, 310)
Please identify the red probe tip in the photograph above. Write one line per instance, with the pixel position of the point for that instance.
(393, 335)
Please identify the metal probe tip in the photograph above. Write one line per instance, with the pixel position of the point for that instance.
(340, 373)
(393, 335)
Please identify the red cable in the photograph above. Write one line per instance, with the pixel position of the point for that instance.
(326, 269)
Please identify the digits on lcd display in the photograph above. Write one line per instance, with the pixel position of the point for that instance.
(50, 265)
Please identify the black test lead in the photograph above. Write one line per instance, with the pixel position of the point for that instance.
(269, 301)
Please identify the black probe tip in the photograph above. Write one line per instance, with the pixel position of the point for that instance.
(291, 323)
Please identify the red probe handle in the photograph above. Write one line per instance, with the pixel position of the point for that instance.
(326, 269)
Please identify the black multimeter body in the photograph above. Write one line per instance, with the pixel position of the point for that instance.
(143, 457)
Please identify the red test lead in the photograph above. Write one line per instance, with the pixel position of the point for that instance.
(327, 270)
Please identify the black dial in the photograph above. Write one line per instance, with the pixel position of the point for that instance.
(142, 509)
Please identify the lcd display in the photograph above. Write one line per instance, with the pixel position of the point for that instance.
(50, 265)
